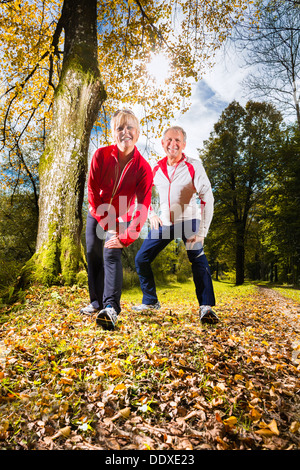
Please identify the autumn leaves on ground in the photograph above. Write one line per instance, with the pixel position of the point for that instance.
(160, 381)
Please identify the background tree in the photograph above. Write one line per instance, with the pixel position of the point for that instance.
(279, 216)
(239, 159)
(52, 55)
(18, 227)
(272, 46)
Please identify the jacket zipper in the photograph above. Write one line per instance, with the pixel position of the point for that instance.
(169, 192)
(118, 181)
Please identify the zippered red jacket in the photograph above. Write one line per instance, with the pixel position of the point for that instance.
(113, 195)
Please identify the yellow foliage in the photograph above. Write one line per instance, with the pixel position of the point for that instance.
(129, 33)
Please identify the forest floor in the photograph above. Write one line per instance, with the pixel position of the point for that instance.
(159, 381)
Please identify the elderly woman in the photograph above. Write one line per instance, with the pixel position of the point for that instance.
(119, 177)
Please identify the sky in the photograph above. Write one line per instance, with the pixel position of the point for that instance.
(219, 87)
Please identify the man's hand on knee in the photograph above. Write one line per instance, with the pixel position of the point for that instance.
(194, 239)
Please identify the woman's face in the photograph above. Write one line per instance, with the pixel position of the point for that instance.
(126, 135)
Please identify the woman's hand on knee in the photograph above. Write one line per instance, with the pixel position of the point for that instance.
(114, 242)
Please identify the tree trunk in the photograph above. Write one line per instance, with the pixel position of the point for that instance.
(59, 254)
(240, 255)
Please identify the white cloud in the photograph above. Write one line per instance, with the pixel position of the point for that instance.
(219, 87)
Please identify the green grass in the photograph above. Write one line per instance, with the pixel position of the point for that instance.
(289, 292)
(222, 290)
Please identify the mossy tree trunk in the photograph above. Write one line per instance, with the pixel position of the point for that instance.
(63, 166)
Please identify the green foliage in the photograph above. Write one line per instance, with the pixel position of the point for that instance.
(279, 222)
(240, 159)
(18, 228)
(184, 267)
(164, 265)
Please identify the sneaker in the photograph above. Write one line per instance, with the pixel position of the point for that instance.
(144, 307)
(107, 318)
(89, 310)
(207, 315)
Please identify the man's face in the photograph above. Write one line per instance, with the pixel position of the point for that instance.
(126, 136)
(173, 144)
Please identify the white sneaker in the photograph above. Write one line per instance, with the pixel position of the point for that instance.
(144, 307)
(89, 310)
(107, 318)
(207, 315)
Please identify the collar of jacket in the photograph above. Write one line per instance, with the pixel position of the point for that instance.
(164, 161)
(115, 153)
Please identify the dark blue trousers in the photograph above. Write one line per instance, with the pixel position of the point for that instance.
(156, 241)
(105, 272)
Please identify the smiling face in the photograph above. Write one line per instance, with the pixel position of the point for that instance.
(173, 144)
(125, 132)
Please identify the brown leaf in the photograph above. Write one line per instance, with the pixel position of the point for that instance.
(184, 444)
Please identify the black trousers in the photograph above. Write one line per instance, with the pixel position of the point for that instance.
(105, 272)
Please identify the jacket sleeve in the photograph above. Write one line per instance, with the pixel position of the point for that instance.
(203, 188)
(143, 201)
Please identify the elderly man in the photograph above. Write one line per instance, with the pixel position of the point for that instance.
(179, 180)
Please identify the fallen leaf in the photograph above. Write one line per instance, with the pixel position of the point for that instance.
(295, 426)
(254, 415)
(268, 429)
(231, 421)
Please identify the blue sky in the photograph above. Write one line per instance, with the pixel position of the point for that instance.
(210, 97)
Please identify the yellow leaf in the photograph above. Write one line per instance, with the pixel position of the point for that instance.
(295, 426)
(231, 421)
(238, 377)
(115, 371)
(273, 427)
(101, 370)
(69, 371)
(264, 432)
(255, 415)
(249, 385)
(270, 429)
(119, 388)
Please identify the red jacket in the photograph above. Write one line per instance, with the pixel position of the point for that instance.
(112, 194)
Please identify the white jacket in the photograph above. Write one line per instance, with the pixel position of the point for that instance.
(178, 193)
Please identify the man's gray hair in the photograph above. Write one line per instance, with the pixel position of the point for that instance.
(176, 128)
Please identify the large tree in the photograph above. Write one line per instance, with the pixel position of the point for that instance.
(66, 65)
(279, 214)
(271, 47)
(239, 158)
